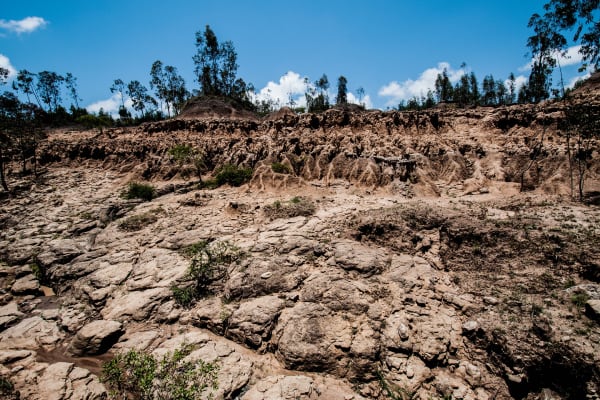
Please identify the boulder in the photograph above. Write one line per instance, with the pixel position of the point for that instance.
(592, 309)
(26, 285)
(353, 256)
(62, 380)
(9, 314)
(96, 338)
(253, 321)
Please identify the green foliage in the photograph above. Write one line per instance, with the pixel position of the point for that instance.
(580, 298)
(317, 99)
(185, 154)
(233, 175)
(184, 296)
(142, 191)
(141, 375)
(342, 94)
(280, 168)
(392, 391)
(169, 86)
(181, 152)
(295, 207)
(94, 121)
(138, 222)
(38, 271)
(209, 263)
(216, 68)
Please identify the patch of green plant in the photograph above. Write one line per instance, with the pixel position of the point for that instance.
(141, 375)
(7, 389)
(580, 298)
(181, 152)
(297, 206)
(209, 262)
(136, 190)
(233, 175)
(38, 271)
(185, 154)
(210, 183)
(536, 309)
(184, 296)
(281, 168)
(569, 283)
(140, 221)
(392, 391)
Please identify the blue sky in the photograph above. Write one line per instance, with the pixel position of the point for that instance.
(389, 48)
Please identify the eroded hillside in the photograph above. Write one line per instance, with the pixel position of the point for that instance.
(376, 255)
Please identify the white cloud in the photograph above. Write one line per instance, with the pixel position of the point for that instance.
(110, 105)
(416, 88)
(26, 25)
(290, 84)
(5, 63)
(366, 100)
(571, 57)
(576, 79)
(294, 85)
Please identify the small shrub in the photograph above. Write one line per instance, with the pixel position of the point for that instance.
(7, 389)
(298, 206)
(209, 262)
(580, 298)
(280, 168)
(142, 191)
(184, 296)
(185, 154)
(181, 152)
(233, 175)
(140, 221)
(141, 375)
(209, 184)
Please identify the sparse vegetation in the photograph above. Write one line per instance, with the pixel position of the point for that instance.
(233, 175)
(7, 389)
(184, 154)
(141, 375)
(209, 262)
(392, 391)
(140, 221)
(580, 298)
(143, 191)
(280, 168)
(295, 207)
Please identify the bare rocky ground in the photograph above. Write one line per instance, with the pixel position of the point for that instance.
(420, 270)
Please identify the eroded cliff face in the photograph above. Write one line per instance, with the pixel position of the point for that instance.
(431, 152)
(396, 257)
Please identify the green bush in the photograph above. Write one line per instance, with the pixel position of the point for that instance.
(142, 191)
(233, 175)
(209, 263)
(184, 296)
(141, 375)
(580, 298)
(185, 154)
(138, 222)
(7, 389)
(181, 152)
(280, 168)
(297, 206)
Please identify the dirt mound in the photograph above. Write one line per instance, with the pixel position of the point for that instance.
(280, 114)
(215, 107)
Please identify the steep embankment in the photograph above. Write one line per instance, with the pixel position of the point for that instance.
(393, 258)
(433, 152)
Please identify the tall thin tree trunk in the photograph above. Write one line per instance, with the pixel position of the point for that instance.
(2, 177)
